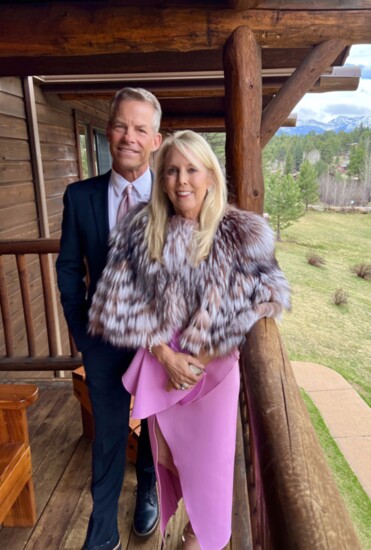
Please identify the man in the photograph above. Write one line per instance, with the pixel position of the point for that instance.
(91, 209)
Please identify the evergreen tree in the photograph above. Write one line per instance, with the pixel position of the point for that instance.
(217, 142)
(297, 152)
(308, 183)
(289, 164)
(356, 160)
(282, 201)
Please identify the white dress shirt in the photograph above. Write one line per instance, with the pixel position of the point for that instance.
(142, 188)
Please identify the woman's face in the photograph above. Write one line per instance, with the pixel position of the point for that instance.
(186, 183)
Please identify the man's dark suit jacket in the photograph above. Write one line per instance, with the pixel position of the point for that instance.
(85, 231)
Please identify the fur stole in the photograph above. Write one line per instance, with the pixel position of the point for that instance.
(211, 306)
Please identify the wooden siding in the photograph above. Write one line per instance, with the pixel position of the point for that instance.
(59, 154)
(18, 204)
(18, 215)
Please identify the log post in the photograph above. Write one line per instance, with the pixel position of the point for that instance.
(243, 109)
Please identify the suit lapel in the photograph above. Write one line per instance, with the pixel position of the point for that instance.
(99, 203)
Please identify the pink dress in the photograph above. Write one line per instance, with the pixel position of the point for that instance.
(199, 427)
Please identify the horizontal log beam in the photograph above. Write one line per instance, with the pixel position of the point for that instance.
(341, 78)
(62, 362)
(30, 246)
(70, 29)
(206, 124)
(244, 4)
(316, 4)
(159, 61)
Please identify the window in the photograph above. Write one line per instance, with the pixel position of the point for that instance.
(102, 153)
(85, 161)
(94, 151)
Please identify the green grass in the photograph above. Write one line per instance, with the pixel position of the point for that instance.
(356, 500)
(317, 330)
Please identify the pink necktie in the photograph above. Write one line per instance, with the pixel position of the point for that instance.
(126, 203)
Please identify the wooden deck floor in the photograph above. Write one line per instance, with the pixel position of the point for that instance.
(61, 473)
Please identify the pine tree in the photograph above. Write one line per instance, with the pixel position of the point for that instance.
(308, 183)
(282, 201)
(289, 163)
(356, 160)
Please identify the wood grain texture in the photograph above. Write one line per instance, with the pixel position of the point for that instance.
(83, 30)
(26, 303)
(244, 4)
(17, 499)
(243, 107)
(298, 492)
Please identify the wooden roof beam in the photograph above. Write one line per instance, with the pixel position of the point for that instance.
(75, 29)
(244, 4)
(116, 63)
(296, 86)
(336, 78)
(207, 124)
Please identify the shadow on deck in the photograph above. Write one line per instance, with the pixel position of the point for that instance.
(61, 474)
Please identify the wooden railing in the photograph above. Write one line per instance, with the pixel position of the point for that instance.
(294, 502)
(11, 360)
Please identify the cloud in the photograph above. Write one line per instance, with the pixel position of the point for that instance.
(326, 106)
(347, 109)
(359, 55)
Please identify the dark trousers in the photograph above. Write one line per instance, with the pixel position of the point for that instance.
(104, 367)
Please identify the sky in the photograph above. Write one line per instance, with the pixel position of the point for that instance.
(326, 106)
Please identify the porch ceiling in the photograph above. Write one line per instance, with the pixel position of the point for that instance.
(174, 48)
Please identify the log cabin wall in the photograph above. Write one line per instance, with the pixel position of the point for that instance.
(19, 211)
(18, 214)
(59, 154)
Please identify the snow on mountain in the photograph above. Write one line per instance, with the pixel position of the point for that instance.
(338, 124)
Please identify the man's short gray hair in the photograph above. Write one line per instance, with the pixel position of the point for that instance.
(136, 94)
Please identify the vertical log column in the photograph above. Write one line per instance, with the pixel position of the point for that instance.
(243, 111)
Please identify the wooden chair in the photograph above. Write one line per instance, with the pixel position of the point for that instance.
(17, 499)
(80, 391)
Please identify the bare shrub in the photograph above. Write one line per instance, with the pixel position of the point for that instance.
(314, 259)
(362, 270)
(340, 297)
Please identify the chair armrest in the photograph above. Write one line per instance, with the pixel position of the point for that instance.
(17, 396)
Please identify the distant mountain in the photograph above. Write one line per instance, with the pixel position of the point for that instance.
(338, 124)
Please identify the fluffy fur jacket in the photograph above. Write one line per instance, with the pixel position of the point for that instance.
(211, 306)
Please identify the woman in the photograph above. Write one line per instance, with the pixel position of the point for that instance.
(187, 277)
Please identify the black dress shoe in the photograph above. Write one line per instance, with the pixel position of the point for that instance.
(146, 514)
(113, 544)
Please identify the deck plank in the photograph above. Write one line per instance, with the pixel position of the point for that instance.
(54, 521)
(52, 446)
(61, 471)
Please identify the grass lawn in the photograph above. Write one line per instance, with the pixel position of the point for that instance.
(356, 500)
(317, 330)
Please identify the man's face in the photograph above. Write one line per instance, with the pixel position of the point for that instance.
(132, 138)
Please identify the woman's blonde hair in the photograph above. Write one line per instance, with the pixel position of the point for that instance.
(190, 145)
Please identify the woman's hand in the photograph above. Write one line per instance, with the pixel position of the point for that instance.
(177, 367)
